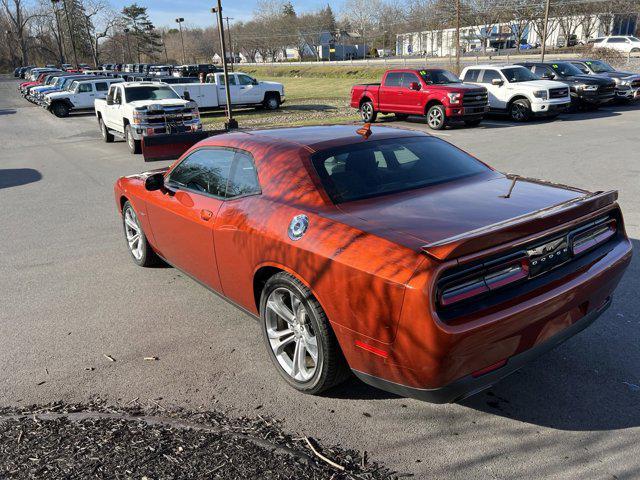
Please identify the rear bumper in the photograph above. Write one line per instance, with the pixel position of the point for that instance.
(470, 385)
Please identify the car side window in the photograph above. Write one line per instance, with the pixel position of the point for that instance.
(245, 80)
(102, 87)
(205, 170)
(85, 88)
(409, 78)
(617, 40)
(232, 80)
(581, 67)
(489, 75)
(471, 75)
(393, 79)
(117, 98)
(243, 179)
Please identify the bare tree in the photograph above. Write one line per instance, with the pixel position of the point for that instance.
(19, 18)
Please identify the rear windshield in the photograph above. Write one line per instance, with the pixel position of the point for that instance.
(150, 93)
(376, 168)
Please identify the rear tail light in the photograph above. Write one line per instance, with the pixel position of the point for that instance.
(592, 237)
(489, 279)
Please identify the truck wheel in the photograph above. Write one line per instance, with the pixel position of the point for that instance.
(520, 110)
(367, 112)
(271, 102)
(106, 136)
(60, 109)
(298, 336)
(436, 117)
(134, 145)
(401, 116)
(473, 123)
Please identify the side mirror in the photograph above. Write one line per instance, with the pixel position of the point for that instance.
(497, 81)
(255, 82)
(154, 182)
(109, 100)
(548, 76)
(414, 86)
(186, 96)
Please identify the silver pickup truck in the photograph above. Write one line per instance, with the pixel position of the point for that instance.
(135, 110)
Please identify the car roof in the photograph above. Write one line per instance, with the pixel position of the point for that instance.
(141, 84)
(492, 65)
(316, 138)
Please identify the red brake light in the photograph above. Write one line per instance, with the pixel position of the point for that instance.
(594, 236)
(487, 280)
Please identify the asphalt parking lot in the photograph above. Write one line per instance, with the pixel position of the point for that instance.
(71, 294)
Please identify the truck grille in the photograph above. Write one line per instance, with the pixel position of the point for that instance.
(635, 84)
(476, 98)
(558, 92)
(606, 90)
(169, 115)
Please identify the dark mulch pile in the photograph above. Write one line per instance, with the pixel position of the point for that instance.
(99, 441)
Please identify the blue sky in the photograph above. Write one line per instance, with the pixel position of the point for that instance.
(198, 12)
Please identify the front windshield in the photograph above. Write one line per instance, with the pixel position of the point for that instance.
(73, 86)
(598, 66)
(634, 39)
(376, 168)
(518, 74)
(133, 94)
(439, 77)
(566, 69)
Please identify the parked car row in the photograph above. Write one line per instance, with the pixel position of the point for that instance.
(521, 91)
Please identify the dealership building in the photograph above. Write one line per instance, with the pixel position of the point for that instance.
(439, 43)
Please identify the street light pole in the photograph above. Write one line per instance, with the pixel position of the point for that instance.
(126, 34)
(179, 22)
(231, 123)
(544, 30)
(457, 37)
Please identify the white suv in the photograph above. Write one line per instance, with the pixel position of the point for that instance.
(621, 43)
(518, 92)
(80, 95)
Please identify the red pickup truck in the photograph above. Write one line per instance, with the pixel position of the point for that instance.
(433, 92)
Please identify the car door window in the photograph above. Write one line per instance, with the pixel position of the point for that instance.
(471, 75)
(85, 88)
(581, 67)
(205, 170)
(102, 87)
(243, 179)
(409, 78)
(118, 96)
(232, 79)
(489, 75)
(393, 79)
(245, 80)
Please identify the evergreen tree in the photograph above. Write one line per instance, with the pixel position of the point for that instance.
(145, 39)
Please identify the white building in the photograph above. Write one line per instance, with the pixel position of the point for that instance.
(440, 43)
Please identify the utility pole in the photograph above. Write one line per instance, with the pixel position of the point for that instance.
(544, 30)
(231, 123)
(457, 37)
(179, 22)
(164, 45)
(233, 57)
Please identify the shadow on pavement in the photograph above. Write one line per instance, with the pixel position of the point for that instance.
(14, 177)
(7, 111)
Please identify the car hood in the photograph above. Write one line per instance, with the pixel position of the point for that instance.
(431, 214)
(618, 75)
(56, 95)
(588, 80)
(539, 84)
(460, 87)
(167, 102)
(271, 84)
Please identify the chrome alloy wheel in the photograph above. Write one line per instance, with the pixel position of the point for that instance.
(291, 335)
(366, 112)
(133, 233)
(518, 112)
(435, 118)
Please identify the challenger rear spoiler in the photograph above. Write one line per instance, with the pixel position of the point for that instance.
(171, 146)
(518, 227)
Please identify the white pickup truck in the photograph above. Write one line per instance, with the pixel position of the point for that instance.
(516, 91)
(245, 91)
(134, 110)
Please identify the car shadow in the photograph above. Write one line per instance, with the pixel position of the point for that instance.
(7, 111)
(355, 389)
(14, 177)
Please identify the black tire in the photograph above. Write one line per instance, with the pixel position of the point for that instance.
(368, 113)
(520, 110)
(473, 123)
(106, 136)
(147, 257)
(271, 101)
(436, 117)
(133, 144)
(333, 368)
(60, 109)
(401, 116)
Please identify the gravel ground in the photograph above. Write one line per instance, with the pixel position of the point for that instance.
(97, 441)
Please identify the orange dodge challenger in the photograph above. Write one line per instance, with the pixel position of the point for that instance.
(385, 252)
